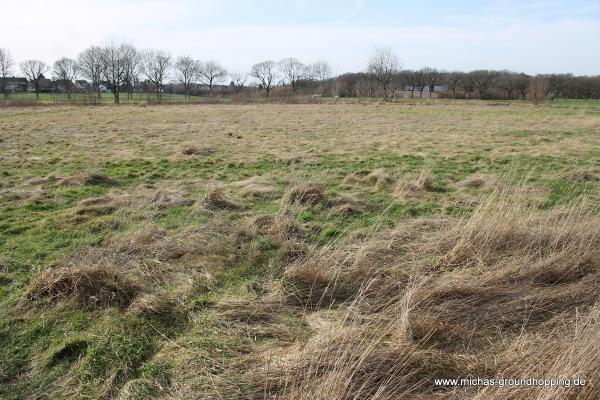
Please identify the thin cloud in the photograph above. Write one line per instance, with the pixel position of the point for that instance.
(358, 5)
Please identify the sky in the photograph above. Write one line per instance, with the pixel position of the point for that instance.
(537, 36)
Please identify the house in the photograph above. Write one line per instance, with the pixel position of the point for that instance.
(440, 88)
(61, 85)
(45, 84)
(82, 85)
(15, 85)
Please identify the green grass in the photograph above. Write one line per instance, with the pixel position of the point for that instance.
(105, 98)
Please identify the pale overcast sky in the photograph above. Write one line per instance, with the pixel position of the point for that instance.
(536, 36)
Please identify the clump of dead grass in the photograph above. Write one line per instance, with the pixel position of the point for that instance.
(379, 177)
(309, 194)
(348, 210)
(281, 227)
(216, 200)
(417, 187)
(195, 150)
(475, 182)
(582, 176)
(98, 179)
(502, 226)
(290, 251)
(100, 205)
(169, 198)
(255, 186)
(95, 286)
(365, 355)
(88, 179)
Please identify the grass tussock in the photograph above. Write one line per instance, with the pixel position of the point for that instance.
(379, 177)
(100, 205)
(508, 284)
(255, 186)
(216, 200)
(475, 182)
(582, 176)
(95, 287)
(281, 227)
(308, 195)
(418, 187)
(98, 179)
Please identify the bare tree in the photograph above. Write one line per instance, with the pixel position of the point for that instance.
(6, 64)
(89, 63)
(212, 73)
(384, 65)
(431, 76)
(522, 84)
(238, 80)
(482, 80)
(132, 58)
(293, 71)
(186, 71)
(34, 70)
(66, 71)
(322, 70)
(420, 81)
(468, 83)
(155, 66)
(114, 67)
(454, 80)
(539, 87)
(266, 74)
(409, 78)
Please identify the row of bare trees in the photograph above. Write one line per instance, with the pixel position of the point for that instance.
(289, 71)
(385, 77)
(120, 67)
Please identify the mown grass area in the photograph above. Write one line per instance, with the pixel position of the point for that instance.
(211, 251)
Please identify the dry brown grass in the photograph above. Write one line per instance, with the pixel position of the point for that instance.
(510, 290)
(508, 286)
(474, 182)
(309, 194)
(582, 176)
(255, 186)
(281, 227)
(97, 286)
(418, 186)
(217, 200)
(163, 129)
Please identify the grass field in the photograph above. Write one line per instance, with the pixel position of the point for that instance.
(335, 251)
(105, 98)
(46, 99)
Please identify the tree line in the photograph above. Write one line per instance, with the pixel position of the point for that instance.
(386, 77)
(121, 68)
